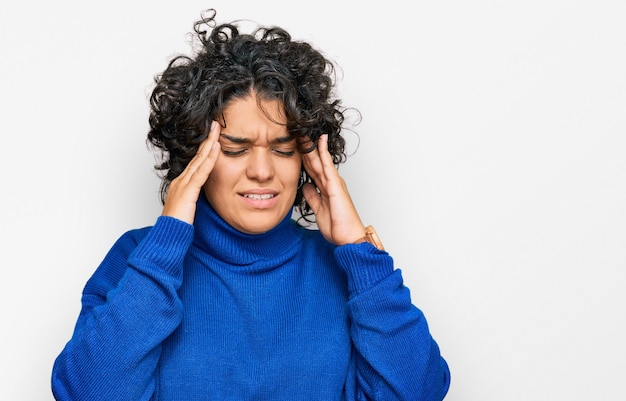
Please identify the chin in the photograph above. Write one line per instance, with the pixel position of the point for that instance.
(259, 227)
(256, 229)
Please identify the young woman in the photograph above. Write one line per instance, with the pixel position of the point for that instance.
(226, 297)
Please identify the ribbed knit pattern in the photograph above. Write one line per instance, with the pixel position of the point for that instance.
(179, 313)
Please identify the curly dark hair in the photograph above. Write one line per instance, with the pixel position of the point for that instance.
(194, 90)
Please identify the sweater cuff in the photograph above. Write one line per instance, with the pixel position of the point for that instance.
(165, 246)
(363, 264)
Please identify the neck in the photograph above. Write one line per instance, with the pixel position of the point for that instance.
(216, 237)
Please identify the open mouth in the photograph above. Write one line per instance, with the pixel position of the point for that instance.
(259, 196)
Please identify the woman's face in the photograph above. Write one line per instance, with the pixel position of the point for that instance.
(254, 182)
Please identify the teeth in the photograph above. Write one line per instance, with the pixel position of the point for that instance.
(259, 197)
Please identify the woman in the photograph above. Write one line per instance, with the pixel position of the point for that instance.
(226, 297)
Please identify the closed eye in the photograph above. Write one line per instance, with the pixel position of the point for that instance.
(237, 146)
(233, 153)
(286, 153)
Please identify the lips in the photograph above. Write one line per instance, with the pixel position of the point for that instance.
(260, 198)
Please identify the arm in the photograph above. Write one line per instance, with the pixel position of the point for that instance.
(130, 305)
(395, 356)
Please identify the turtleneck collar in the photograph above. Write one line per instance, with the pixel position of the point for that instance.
(216, 237)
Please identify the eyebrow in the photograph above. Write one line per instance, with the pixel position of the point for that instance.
(236, 139)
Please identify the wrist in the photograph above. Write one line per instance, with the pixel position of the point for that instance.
(371, 236)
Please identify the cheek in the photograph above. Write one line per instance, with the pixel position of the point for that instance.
(291, 171)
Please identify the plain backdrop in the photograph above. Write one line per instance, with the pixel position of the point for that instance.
(491, 158)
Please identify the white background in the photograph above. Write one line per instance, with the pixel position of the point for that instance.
(492, 162)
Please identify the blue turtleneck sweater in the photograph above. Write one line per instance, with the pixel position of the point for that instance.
(182, 313)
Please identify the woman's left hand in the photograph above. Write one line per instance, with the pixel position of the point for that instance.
(335, 214)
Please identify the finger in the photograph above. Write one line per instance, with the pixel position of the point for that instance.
(312, 164)
(322, 160)
(322, 148)
(328, 166)
(214, 136)
(205, 148)
(321, 167)
(199, 176)
(319, 163)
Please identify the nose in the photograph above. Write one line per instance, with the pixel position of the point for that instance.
(260, 165)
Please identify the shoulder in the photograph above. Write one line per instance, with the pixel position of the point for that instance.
(114, 264)
(127, 242)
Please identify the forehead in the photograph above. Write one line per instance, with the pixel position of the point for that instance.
(252, 117)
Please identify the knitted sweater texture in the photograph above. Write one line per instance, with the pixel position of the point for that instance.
(177, 312)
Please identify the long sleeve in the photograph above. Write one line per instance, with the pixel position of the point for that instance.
(395, 356)
(129, 306)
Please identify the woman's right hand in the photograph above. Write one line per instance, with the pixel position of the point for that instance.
(184, 190)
